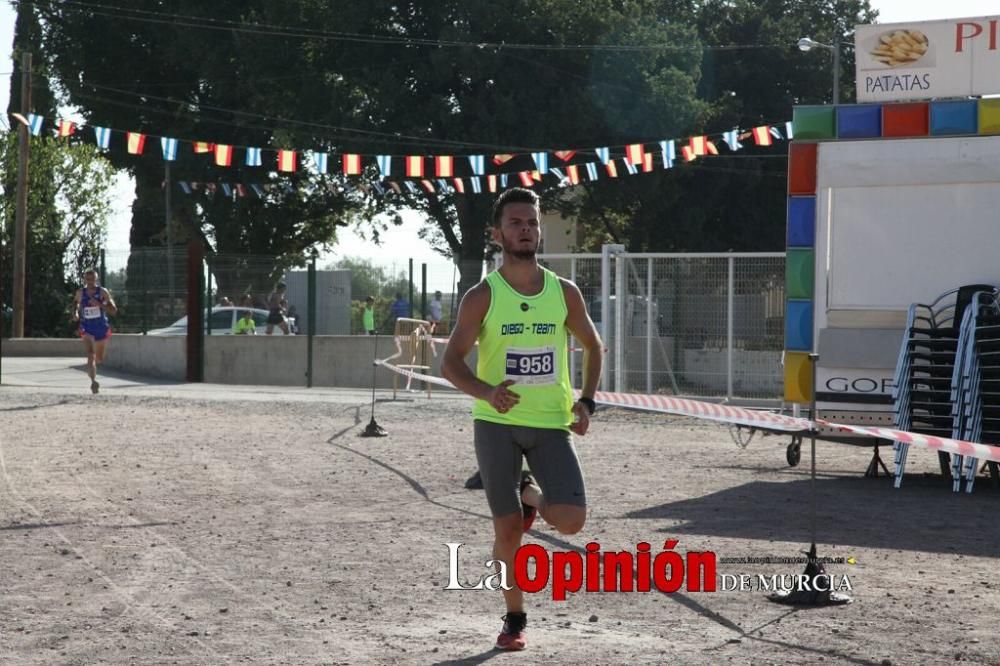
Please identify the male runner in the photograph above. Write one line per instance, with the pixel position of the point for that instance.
(521, 315)
(276, 305)
(91, 306)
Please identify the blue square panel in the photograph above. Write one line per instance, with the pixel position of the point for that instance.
(954, 117)
(862, 121)
(801, 221)
(798, 325)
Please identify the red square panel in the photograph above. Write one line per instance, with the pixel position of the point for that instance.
(802, 168)
(905, 119)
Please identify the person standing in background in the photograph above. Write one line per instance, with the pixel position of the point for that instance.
(368, 316)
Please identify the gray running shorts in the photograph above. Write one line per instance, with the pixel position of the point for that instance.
(551, 457)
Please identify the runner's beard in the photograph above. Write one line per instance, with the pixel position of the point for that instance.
(513, 249)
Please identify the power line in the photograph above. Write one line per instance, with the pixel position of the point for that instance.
(274, 30)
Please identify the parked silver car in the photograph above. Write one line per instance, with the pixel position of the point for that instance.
(223, 320)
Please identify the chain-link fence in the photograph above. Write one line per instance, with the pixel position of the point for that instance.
(708, 325)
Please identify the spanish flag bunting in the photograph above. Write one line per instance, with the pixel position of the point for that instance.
(762, 135)
(612, 169)
(352, 164)
(444, 166)
(712, 150)
(223, 155)
(500, 159)
(136, 142)
(525, 177)
(459, 185)
(428, 185)
(634, 153)
(565, 155)
(537, 175)
(286, 160)
(647, 162)
(202, 147)
(414, 166)
(688, 153)
(573, 173)
(492, 182)
(698, 145)
(66, 128)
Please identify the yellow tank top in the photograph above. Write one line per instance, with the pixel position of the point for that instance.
(524, 338)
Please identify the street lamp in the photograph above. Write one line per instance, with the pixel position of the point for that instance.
(806, 44)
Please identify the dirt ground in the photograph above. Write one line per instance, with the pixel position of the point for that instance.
(201, 528)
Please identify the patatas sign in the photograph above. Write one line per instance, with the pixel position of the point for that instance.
(954, 58)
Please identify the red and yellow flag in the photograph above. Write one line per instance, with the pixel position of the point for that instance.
(573, 173)
(698, 145)
(444, 166)
(612, 169)
(565, 155)
(688, 153)
(202, 147)
(66, 128)
(223, 155)
(633, 152)
(415, 166)
(491, 181)
(428, 185)
(136, 142)
(525, 177)
(352, 164)
(712, 150)
(286, 160)
(647, 162)
(762, 135)
(459, 185)
(503, 157)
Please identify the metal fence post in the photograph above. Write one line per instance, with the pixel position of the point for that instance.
(649, 325)
(729, 330)
(411, 286)
(423, 290)
(104, 269)
(621, 295)
(311, 324)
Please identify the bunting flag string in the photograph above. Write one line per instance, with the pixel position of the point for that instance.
(450, 175)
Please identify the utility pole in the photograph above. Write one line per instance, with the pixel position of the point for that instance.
(21, 211)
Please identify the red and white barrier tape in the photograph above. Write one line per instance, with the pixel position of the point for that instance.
(755, 418)
(961, 447)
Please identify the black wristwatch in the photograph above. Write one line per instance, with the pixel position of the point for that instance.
(588, 403)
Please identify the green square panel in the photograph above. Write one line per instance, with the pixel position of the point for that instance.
(814, 122)
(799, 273)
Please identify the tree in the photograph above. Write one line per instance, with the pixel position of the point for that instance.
(369, 279)
(68, 201)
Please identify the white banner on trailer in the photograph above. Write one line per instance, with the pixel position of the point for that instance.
(928, 59)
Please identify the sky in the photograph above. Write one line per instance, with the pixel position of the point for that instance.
(401, 243)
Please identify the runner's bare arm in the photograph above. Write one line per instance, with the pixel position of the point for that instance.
(111, 307)
(76, 305)
(471, 313)
(582, 327)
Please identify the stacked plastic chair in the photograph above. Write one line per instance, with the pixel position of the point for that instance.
(925, 371)
(976, 386)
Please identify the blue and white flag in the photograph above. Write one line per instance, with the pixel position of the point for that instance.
(632, 169)
(732, 139)
(411, 187)
(384, 164)
(558, 173)
(776, 133)
(379, 188)
(253, 157)
(478, 163)
(788, 130)
(258, 190)
(603, 154)
(592, 170)
(668, 151)
(443, 184)
(35, 124)
(169, 148)
(103, 136)
(320, 161)
(503, 180)
(542, 162)
(228, 191)
(184, 186)
(477, 186)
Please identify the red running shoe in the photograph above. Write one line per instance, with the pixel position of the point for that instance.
(512, 638)
(529, 512)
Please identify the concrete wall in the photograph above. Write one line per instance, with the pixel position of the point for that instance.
(338, 360)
